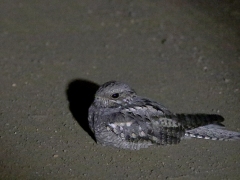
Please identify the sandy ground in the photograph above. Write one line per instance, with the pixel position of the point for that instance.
(54, 54)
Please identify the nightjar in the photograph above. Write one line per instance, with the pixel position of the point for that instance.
(119, 117)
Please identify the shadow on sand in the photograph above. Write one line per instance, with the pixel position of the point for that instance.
(80, 94)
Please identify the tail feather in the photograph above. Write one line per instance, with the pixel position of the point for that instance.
(213, 132)
(191, 121)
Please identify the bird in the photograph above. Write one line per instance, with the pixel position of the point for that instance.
(120, 118)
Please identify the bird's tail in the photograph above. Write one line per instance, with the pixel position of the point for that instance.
(191, 121)
(206, 126)
(212, 132)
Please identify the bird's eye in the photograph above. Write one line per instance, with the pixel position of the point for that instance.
(115, 95)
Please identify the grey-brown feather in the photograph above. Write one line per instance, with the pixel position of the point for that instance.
(132, 122)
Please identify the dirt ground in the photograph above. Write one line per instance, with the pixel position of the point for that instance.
(54, 54)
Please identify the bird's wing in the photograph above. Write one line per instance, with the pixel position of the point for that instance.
(191, 121)
(145, 123)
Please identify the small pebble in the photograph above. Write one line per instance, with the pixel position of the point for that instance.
(226, 80)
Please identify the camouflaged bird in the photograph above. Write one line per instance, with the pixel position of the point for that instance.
(119, 117)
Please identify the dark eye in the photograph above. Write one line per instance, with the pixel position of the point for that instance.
(116, 95)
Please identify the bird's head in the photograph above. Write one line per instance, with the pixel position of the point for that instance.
(114, 94)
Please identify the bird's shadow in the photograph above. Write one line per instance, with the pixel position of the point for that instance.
(80, 94)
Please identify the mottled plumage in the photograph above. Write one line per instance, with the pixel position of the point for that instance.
(119, 117)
